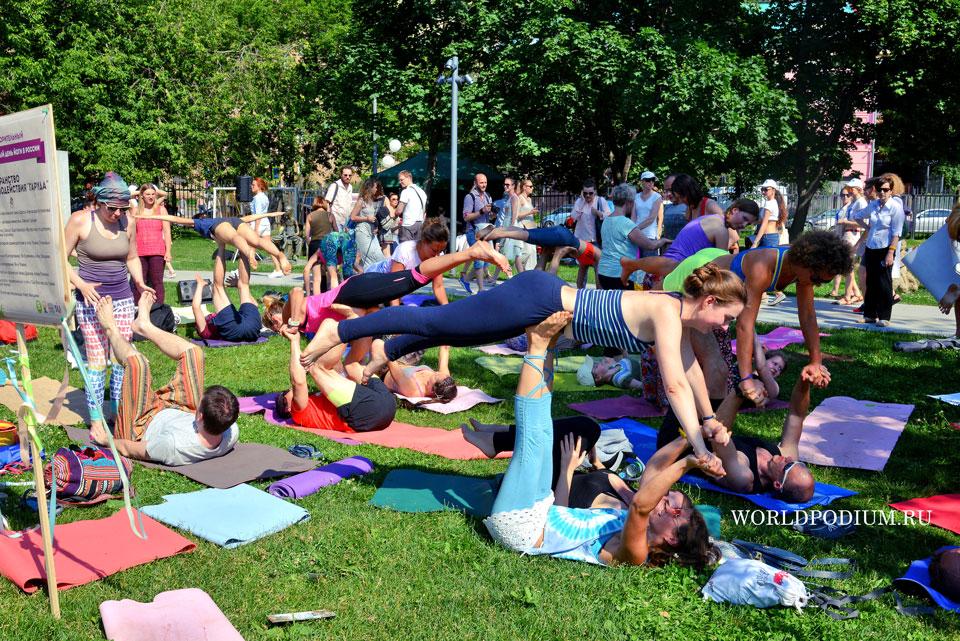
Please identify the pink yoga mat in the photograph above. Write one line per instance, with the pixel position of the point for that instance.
(846, 432)
(265, 403)
(942, 511)
(184, 615)
(86, 551)
(607, 409)
(778, 338)
(499, 350)
(466, 398)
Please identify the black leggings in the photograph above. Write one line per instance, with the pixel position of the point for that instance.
(491, 316)
(372, 289)
(878, 301)
(586, 428)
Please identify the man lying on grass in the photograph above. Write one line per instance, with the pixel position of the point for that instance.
(178, 424)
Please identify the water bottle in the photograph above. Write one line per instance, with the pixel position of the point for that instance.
(633, 470)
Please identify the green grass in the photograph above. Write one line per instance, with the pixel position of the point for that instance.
(438, 576)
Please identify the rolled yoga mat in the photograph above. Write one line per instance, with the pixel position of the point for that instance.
(307, 483)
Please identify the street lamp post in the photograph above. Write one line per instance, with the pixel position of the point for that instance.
(455, 81)
(375, 167)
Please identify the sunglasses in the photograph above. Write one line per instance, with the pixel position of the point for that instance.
(786, 470)
(589, 193)
(846, 195)
(886, 190)
(120, 210)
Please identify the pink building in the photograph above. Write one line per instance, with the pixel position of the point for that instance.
(861, 158)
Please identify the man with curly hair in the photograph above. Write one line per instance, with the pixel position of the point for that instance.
(813, 259)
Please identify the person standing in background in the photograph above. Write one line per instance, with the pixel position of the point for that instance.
(412, 208)
(648, 211)
(587, 210)
(154, 243)
(261, 205)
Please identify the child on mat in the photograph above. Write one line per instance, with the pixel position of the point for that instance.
(234, 231)
(369, 290)
(415, 381)
(228, 323)
(660, 525)
(178, 424)
(343, 404)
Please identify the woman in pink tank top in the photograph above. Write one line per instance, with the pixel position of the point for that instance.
(153, 239)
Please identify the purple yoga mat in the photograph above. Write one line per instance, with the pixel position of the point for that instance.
(216, 342)
(264, 403)
(307, 483)
(417, 300)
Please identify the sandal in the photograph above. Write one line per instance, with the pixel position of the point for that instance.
(843, 301)
(305, 450)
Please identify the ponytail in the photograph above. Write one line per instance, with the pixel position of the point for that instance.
(271, 305)
(722, 284)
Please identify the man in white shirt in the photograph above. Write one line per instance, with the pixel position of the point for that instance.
(178, 424)
(648, 210)
(412, 207)
(587, 210)
(340, 198)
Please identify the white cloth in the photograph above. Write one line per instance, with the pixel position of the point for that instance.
(752, 582)
(340, 198)
(414, 202)
(406, 254)
(586, 228)
(642, 209)
(260, 205)
(171, 438)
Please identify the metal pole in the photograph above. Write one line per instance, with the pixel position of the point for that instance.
(375, 167)
(453, 154)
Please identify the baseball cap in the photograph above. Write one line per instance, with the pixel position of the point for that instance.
(648, 175)
(585, 373)
(855, 183)
(769, 182)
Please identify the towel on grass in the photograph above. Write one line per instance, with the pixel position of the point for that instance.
(942, 510)
(465, 399)
(307, 483)
(86, 551)
(185, 615)
(846, 432)
(644, 441)
(216, 342)
(605, 409)
(503, 366)
(230, 518)
(415, 491)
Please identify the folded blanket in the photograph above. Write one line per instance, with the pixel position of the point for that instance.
(465, 399)
(644, 440)
(229, 518)
(184, 615)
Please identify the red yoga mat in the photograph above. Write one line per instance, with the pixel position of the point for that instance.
(85, 551)
(942, 511)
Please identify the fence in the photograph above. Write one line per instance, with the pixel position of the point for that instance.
(926, 213)
(209, 200)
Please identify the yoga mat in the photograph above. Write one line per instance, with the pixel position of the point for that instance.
(307, 483)
(932, 263)
(505, 366)
(230, 518)
(182, 615)
(942, 510)
(214, 343)
(416, 491)
(45, 389)
(265, 403)
(950, 399)
(465, 399)
(778, 338)
(499, 350)
(605, 409)
(644, 441)
(417, 300)
(846, 432)
(919, 574)
(85, 551)
(428, 440)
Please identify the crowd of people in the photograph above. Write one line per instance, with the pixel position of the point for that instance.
(661, 309)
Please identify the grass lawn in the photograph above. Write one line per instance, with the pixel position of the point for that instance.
(438, 576)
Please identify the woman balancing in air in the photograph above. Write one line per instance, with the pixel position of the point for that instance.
(234, 231)
(659, 525)
(629, 320)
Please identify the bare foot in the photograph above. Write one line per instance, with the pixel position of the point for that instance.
(488, 427)
(142, 320)
(285, 265)
(97, 433)
(325, 339)
(482, 250)
(627, 267)
(378, 359)
(483, 441)
(105, 311)
(252, 260)
(949, 299)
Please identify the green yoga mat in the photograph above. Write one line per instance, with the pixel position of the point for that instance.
(503, 365)
(416, 491)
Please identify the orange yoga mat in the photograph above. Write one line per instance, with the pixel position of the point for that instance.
(942, 510)
(86, 551)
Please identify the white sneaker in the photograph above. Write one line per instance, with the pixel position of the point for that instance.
(779, 298)
(275, 274)
(883, 323)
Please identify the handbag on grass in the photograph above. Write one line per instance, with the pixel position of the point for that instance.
(87, 475)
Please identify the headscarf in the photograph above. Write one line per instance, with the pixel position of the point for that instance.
(112, 190)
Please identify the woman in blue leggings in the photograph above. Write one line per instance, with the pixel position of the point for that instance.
(631, 321)
(659, 524)
(556, 237)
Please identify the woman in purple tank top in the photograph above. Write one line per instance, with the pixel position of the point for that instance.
(699, 233)
(106, 260)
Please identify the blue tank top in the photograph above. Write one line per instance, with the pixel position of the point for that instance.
(598, 319)
(737, 268)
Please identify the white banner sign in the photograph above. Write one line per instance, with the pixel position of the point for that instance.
(33, 268)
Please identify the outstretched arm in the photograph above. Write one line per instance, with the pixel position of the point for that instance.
(298, 375)
(793, 426)
(807, 315)
(173, 220)
(251, 218)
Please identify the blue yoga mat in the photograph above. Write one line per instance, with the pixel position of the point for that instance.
(919, 573)
(229, 518)
(643, 438)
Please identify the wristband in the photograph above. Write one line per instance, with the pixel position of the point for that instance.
(747, 377)
(708, 418)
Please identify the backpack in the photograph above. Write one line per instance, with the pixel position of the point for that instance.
(85, 476)
(161, 315)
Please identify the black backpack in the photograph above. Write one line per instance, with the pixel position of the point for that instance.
(162, 316)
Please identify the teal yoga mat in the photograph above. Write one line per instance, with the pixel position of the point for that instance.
(416, 491)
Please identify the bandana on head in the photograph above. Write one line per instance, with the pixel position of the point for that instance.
(112, 190)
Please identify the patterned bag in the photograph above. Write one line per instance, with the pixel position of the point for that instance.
(87, 475)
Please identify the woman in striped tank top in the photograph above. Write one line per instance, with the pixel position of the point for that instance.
(153, 239)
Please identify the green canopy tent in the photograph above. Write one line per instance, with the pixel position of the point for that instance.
(440, 194)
